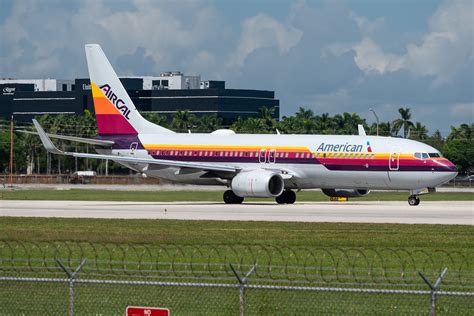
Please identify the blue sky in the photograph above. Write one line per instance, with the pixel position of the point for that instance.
(329, 56)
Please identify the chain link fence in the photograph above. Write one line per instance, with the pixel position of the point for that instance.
(86, 278)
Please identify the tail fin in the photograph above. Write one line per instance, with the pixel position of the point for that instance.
(115, 111)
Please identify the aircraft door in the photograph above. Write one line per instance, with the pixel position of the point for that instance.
(271, 156)
(262, 156)
(394, 159)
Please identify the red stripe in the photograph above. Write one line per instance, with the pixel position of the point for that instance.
(114, 124)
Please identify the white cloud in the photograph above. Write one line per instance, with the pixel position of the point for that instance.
(370, 58)
(262, 31)
(441, 53)
(366, 26)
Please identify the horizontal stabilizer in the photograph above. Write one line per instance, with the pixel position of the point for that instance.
(91, 141)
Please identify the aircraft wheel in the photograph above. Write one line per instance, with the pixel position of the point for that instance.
(286, 197)
(291, 197)
(281, 199)
(413, 200)
(231, 198)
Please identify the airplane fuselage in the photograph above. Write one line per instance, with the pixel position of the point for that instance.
(314, 161)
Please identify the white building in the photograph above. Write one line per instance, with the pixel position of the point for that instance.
(43, 84)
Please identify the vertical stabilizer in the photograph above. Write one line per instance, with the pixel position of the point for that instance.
(115, 111)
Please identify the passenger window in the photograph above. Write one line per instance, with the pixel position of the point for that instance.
(286, 155)
(297, 155)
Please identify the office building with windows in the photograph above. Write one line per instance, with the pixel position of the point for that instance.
(163, 94)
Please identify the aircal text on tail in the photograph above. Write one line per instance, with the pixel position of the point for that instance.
(119, 103)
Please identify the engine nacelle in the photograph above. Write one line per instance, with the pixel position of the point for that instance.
(345, 192)
(258, 183)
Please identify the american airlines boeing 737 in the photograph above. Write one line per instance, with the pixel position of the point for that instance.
(252, 165)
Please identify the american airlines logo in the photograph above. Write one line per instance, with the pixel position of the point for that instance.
(339, 147)
(119, 104)
(8, 90)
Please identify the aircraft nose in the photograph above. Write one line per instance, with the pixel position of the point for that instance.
(449, 166)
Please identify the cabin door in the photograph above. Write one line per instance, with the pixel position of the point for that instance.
(394, 159)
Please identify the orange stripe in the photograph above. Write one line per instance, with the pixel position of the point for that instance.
(103, 106)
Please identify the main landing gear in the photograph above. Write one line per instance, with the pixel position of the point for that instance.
(231, 198)
(413, 200)
(286, 197)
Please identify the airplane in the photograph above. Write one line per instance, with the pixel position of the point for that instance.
(252, 165)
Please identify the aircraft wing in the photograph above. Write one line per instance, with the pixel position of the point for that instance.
(91, 141)
(48, 144)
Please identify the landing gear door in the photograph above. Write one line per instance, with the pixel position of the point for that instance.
(394, 159)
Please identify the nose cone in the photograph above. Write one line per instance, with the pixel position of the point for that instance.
(450, 166)
(450, 170)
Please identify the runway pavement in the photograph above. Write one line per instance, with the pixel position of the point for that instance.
(449, 212)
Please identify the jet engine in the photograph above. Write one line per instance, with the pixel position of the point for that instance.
(258, 183)
(345, 192)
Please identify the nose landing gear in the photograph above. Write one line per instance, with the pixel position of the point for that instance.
(413, 200)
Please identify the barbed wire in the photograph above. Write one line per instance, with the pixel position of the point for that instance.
(312, 265)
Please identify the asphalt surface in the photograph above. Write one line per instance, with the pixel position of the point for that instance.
(449, 212)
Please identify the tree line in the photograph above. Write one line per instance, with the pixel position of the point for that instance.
(30, 156)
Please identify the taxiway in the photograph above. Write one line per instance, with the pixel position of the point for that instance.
(449, 212)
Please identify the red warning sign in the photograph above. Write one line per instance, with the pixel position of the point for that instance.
(147, 311)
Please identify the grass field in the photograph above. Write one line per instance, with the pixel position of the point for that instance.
(205, 196)
(390, 254)
(179, 232)
(117, 240)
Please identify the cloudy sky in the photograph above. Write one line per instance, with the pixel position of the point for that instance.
(329, 56)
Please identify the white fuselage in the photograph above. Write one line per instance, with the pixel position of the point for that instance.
(312, 161)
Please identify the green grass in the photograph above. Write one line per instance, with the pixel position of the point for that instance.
(199, 241)
(204, 196)
(178, 232)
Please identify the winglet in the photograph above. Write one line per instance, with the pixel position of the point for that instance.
(47, 143)
(361, 130)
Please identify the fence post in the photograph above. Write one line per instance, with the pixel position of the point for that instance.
(434, 288)
(242, 282)
(72, 278)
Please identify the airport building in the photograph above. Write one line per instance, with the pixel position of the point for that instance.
(163, 94)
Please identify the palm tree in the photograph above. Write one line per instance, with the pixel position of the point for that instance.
(266, 114)
(464, 131)
(183, 120)
(304, 114)
(156, 119)
(209, 123)
(419, 131)
(404, 122)
(386, 129)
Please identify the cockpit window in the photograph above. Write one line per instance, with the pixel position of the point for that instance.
(426, 155)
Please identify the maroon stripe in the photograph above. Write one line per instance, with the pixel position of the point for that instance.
(114, 124)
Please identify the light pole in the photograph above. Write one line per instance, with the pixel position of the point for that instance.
(376, 118)
(11, 152)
